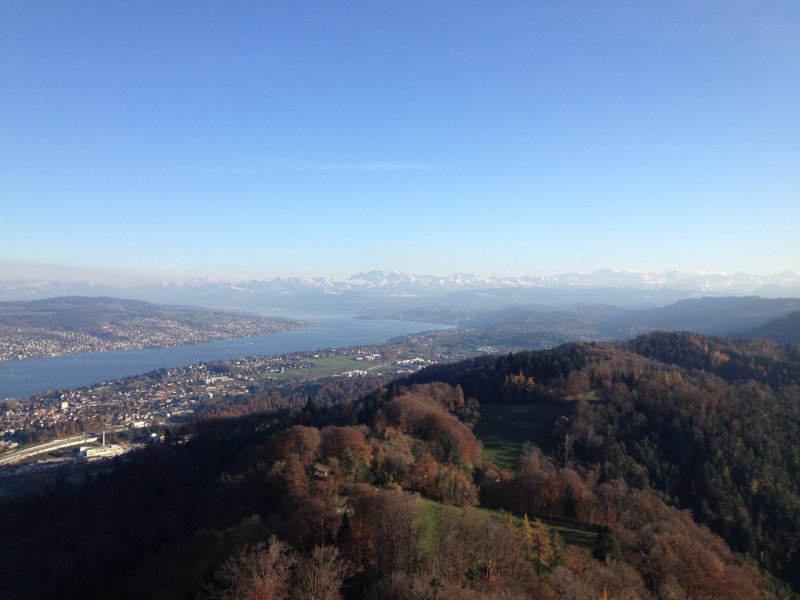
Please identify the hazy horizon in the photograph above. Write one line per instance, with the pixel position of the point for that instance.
(169, 141)
(122, 280)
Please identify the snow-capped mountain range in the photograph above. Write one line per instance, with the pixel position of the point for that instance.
(373, 288)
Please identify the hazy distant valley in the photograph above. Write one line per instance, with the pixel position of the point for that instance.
(510, 313)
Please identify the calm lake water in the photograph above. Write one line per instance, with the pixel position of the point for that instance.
(21, 378)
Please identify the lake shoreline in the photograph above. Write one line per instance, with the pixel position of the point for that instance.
(20, 379)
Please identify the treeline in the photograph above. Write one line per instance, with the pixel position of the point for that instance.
(270, 397)
(762, 361)
(514, 378)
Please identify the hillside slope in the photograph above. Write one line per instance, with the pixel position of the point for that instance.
(711, 423)
(334, 489)
(785, 330)
(709, 316)
(74, 324)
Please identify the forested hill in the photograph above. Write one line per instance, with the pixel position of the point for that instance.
(708, 316)
(387, 494)
(73, 324)
(785, 330)
(711, 423)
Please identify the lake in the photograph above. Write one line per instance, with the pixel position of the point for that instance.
(21, 378)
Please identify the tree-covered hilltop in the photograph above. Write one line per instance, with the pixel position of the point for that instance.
(387, 493)
(711, 423)
(715, 426)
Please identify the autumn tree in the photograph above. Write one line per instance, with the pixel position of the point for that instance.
(518, 389)
(449, 440)
(560, 549)
(301, 441)
(538, 543)
(385, 532)
(533, 480)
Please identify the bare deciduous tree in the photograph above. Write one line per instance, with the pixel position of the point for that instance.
(320, 576)
(261, 572)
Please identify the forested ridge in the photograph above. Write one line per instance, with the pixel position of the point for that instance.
(385, 492)
(713, 424)
(783, 329)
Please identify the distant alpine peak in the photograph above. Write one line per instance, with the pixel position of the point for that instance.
(401, 284)
(456, 280)
(703, 281)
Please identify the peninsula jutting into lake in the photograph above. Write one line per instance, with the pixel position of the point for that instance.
(77, 324)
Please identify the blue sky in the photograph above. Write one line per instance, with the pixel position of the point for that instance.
(166, 140)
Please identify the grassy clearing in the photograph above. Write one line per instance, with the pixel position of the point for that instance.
(504, 428)
(427, 520)
(574, 534)
(322, 367)
(107, 390)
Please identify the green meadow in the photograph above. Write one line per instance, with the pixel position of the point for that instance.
(504, 429)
